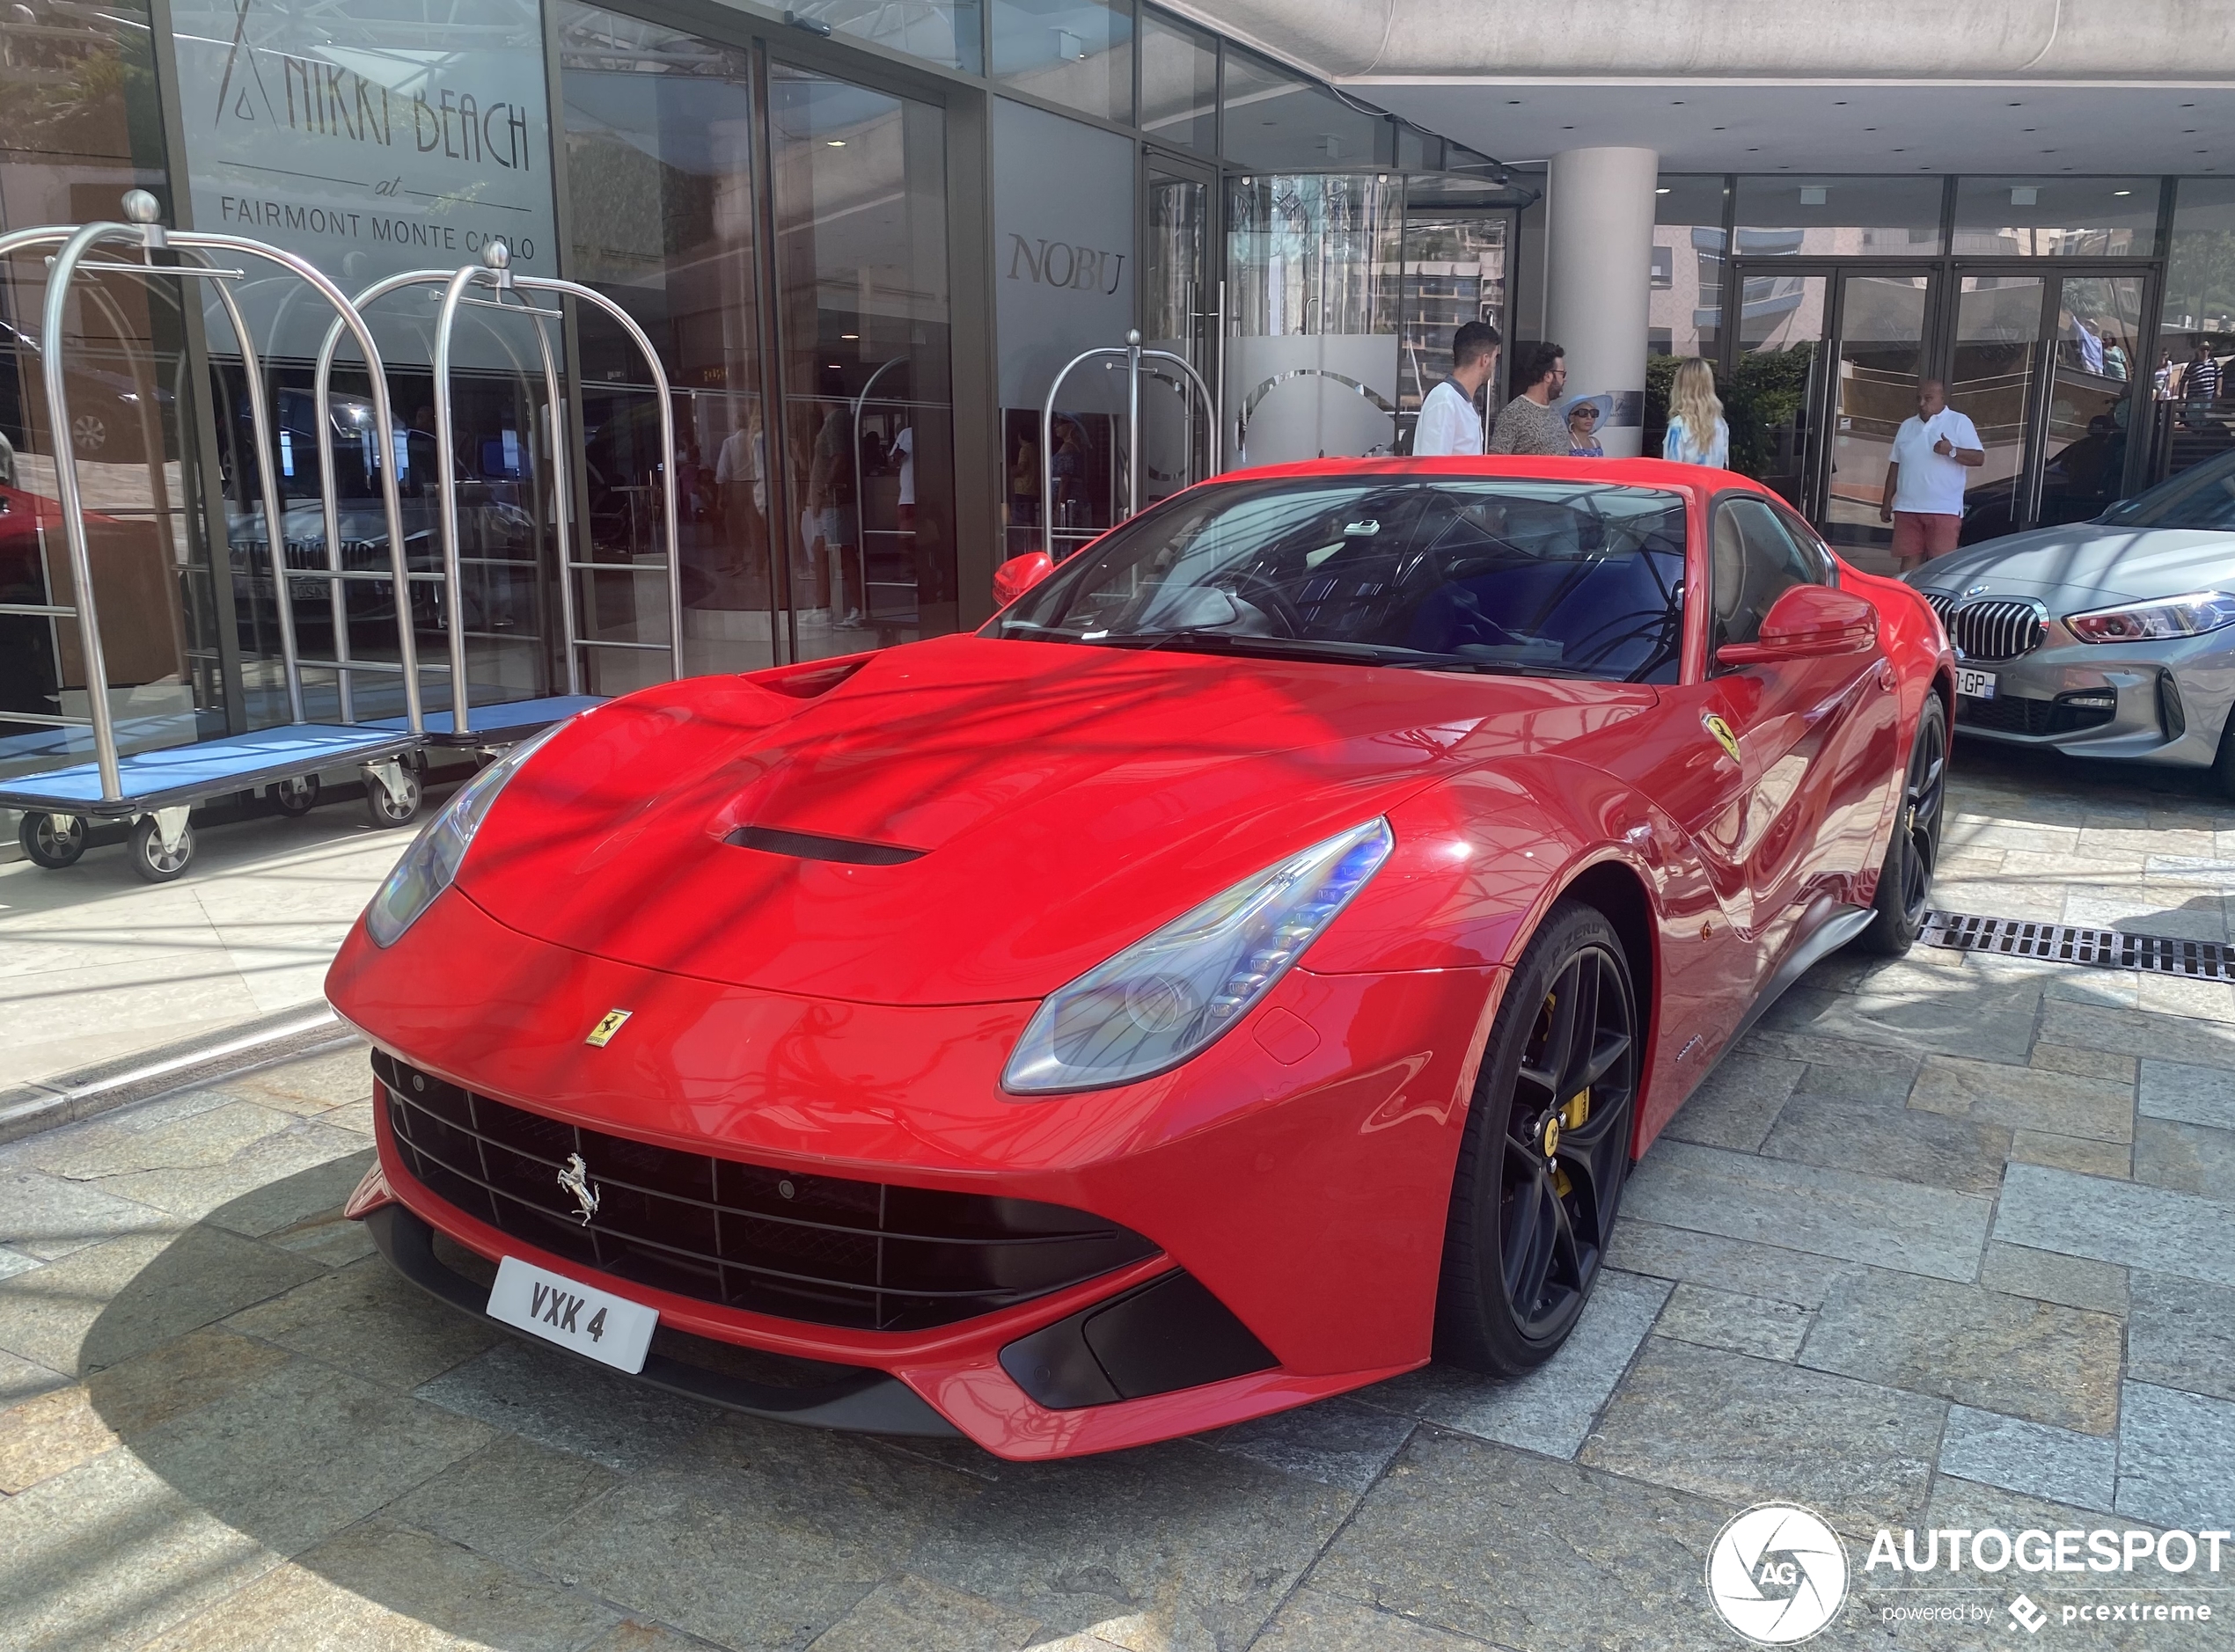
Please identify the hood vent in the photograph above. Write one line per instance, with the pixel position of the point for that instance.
(813, 847)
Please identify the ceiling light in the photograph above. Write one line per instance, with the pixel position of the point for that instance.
(2122, 192)
(836, 144)
(849, 335)
(1662, 190)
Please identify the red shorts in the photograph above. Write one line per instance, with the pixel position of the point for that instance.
(1917, 534)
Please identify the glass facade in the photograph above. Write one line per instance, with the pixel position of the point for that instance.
(857, 347)
(2056, 218)
(1838, 217)
(78, 126)
(2060, 310)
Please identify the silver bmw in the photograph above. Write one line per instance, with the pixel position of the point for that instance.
(2110, 638)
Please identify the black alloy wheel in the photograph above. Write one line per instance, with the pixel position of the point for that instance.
(53, 841)
(1546, 1152)
(1905, 879)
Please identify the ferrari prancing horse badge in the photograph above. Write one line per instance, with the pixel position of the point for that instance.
(608, 1023)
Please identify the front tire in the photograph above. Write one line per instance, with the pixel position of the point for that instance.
(1546, 1152)
(1905, 879)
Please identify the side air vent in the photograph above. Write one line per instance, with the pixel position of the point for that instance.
(813, 847)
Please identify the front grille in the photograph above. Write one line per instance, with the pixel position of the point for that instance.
(1991, 630)
(2012, 714)
(866, 1255)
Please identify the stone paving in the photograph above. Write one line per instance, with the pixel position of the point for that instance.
(96, 964)
(1948, 1242)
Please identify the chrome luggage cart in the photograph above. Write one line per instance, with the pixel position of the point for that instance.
(156, 790)
(501, 723)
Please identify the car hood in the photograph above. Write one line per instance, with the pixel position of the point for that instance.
(2084, 565)
(1062, 801)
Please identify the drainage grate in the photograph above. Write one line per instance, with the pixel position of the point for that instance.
(2066, 943)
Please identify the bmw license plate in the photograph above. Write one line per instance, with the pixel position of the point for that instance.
(610, 1329)
(1978, 685)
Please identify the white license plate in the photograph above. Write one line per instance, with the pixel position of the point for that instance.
(608, 1328)
(1979, 685)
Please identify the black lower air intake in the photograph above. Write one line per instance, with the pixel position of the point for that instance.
(1168, 1334)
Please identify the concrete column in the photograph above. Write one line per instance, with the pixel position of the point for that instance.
(1599, 232)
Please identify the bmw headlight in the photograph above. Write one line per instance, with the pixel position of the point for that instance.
(1168, 997)
(435, 854)
(2164, 621)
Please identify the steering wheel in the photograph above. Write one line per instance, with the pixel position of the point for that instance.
(1267, 596)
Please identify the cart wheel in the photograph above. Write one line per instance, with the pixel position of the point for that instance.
(387, 811)
(53, 841)
(295, 795)
(415, 761)
(148, 857)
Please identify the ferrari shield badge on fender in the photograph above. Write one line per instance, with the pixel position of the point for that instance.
(608, 1023)
(1713, 724)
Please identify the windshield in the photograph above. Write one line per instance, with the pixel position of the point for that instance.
(2204, 497)
(1558, 579)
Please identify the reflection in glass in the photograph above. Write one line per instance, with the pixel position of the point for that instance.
(2199, 314)
(1880, 356)
(867, 436)
(2090, 399)
(1179, 82)
(1274, 119)
(1997, 356)
(1179, 310)
(1077, 54)
(1887, 217)
(1775, 387)
(659, 130)
(943, 31)
(1312, 292)
(2056, 218)
(79, 125)
(1684, 304)
(1455, 273)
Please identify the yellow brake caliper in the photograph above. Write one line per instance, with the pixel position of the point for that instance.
(1572, 1113)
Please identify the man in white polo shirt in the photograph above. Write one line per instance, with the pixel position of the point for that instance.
(1449, 426)
(1924, 483)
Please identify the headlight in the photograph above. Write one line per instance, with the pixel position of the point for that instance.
(435, 854)
(2154, 622)
(1166, 998)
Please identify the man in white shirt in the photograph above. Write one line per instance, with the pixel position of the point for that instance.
(1924, 483)
(1448, 425)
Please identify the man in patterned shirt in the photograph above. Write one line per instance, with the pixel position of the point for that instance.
(1531, 423)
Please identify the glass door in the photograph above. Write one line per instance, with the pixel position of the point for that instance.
(1179, 313)
(1773, 398)
(1994, 378)
(2044, 366)
(2089, 403)
(866, 443)
(1877, 359)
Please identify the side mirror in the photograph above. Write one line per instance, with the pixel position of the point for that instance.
(1020, 574)
(1807, 622)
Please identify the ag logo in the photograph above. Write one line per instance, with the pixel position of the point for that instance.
(1777, 1573)
(1724, 737)
(608, 1023)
